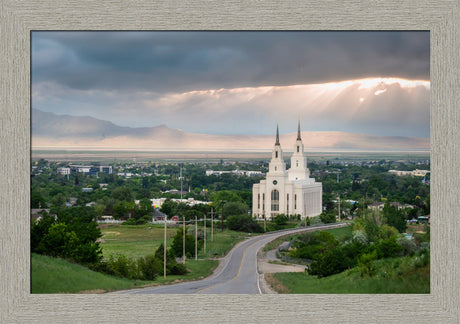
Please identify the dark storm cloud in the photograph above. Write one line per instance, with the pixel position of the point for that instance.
(183, 61)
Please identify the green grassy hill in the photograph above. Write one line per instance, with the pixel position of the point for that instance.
(52, 275)
(391, 278)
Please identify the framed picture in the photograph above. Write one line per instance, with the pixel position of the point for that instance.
(20, 20)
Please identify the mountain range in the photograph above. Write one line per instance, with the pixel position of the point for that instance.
(50, 130)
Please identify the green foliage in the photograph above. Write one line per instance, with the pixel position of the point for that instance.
(327, 217)
(395, 217)
(52, 275)
(177, 244)
(366, 264)
(407, 245)
(169, 207)
(72, 235)
(150, 267)
(233, 208)
(388, 248)
(59, 241)
(243, 223)
(311, 245)
(392, 276)
(123, 194)
(281, 219)
(360, 236)
(328, 263)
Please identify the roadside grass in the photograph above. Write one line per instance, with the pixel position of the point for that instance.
(53, 275)
(199, 269)
(386, 281)
(340, 234)
(223, 242)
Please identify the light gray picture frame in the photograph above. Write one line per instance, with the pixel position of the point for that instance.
(19, 18)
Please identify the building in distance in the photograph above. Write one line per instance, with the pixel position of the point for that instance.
(289, 192)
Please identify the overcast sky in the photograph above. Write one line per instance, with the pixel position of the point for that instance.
(238, 82)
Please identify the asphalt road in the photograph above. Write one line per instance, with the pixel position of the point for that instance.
(239, 274)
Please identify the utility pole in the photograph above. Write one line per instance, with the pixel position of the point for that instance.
(183, 239)
(205, 235)
(164, 252)
(222, 219)
(196, 238)
(183, 218)
(339, 206)
(265, 224)
(212, 225)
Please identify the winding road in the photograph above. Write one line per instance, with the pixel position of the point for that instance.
(239, 273)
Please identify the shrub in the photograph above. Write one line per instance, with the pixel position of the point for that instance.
(244, 223)
(281, 219)
(408, 246)
(123, 267)
(327, 217)
(366, 264)
(328, 263)
(177, 244)
(131, 221)
(176, 268)
(150, 267)
(388, 248)
(360, 236)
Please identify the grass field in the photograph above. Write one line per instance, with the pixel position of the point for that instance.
(386, 281)
(52, 275)
(135, 241)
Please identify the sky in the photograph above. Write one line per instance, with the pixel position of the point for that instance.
(373, 83)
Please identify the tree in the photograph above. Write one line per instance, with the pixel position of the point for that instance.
(244, 223)
(169, 207)
(177, 244)
(120, 210)
(327, 217)
(37, 200)
(281, 219)
(394, 217)
(59, 241)
(123, 194)
(235, 208)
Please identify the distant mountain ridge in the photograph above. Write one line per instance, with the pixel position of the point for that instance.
(67, 132)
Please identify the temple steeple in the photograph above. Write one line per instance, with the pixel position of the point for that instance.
(298, 131)
(277, 136)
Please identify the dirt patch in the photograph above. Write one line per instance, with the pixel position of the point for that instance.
(116, 233)
(108, 225)
(266, 267)
(275, 284)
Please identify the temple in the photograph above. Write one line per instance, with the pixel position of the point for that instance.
(289, 192)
